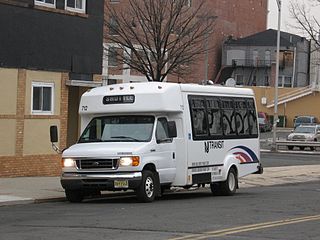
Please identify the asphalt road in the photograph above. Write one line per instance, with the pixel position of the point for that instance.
(257, 213)
(277, 212)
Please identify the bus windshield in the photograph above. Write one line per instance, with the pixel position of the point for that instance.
(119, 129)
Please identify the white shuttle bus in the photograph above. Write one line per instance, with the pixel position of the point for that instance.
(150, 136)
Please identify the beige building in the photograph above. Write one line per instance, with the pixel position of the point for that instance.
(292, 102)
(31, 102)
(25, 147)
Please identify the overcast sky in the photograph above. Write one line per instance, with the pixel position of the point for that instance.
(285, 16)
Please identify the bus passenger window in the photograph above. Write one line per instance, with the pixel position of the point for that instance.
(199, 122)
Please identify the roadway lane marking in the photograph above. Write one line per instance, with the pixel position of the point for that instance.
(248, 228)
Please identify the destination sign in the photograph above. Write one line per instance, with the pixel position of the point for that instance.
(119, 99)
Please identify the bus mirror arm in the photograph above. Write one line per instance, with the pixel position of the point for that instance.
(54, 138)
(172, 129)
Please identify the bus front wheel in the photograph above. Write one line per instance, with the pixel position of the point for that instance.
(74, 196)
(146, 191)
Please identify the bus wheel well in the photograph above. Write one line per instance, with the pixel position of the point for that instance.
(151, 167)
(235, 169)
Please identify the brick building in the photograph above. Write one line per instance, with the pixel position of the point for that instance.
(236, 18)
(50, 52)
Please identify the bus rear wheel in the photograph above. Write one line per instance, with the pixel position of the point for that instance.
(215, 189)
(229, 187)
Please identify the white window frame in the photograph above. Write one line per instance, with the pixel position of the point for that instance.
(188, 3)
(43, 84)
(40, 3)
(78, 10)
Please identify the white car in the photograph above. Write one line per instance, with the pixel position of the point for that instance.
(305, 133)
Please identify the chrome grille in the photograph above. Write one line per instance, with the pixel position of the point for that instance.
(298, 137)
(97, 163)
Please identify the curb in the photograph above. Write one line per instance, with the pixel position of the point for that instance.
(16, 202)
(291, 152)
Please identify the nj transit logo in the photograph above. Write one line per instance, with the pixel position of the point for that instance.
(213, 145)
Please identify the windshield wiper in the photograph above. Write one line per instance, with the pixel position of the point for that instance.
(126, 137)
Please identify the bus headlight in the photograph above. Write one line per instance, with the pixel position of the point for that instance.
(68, 162)
(129, 161)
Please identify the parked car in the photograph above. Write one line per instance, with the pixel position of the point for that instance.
(306, 133)
(305, 120)
(264, 122)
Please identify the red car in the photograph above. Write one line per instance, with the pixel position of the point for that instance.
(264, 122)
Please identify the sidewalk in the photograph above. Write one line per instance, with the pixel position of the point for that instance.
(25, 190)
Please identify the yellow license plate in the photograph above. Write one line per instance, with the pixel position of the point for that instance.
(121, 184)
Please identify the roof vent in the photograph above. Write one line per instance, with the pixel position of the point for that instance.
(206, 82)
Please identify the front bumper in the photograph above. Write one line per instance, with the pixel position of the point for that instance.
(99, 181)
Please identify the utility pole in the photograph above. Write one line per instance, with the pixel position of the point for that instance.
(275, 116)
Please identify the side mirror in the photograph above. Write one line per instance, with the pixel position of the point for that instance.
(53, 134)
(172, 129)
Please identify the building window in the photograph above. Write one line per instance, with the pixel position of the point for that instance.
(285, 81)
(113, 26)
(112, 57)
(267, 58)
(42, 98)
(266, 80)
(46, 3)
(239, 79)
(112, 81)
(186, 3)
(76, 5)
(255, 58)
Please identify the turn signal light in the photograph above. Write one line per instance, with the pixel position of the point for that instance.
(135, 161)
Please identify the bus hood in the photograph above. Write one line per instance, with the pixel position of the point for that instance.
(106, 149)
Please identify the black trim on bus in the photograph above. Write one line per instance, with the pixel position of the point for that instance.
(244, 163)
(204, 166)
(201, 178)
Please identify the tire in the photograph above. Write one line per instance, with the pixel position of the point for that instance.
(74, 196)
(147, 190)
(229, 187)
(290, 147)
(215, 189)
(301, 148)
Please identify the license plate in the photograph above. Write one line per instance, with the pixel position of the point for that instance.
(121, 184)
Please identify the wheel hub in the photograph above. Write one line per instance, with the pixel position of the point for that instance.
(149, 187)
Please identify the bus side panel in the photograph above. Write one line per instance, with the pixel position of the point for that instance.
(212, 159)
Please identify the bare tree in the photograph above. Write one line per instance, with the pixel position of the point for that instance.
(307, 22)
(159, 37)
